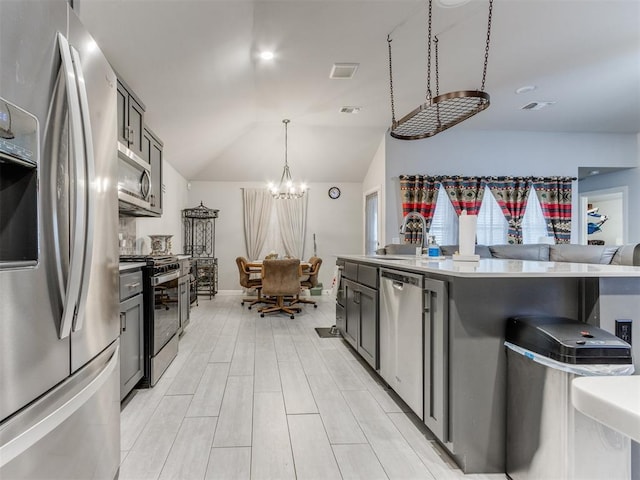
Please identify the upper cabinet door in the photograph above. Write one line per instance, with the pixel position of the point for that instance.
(153, 153)
(123, 112)
(130, 120)
(136, 126)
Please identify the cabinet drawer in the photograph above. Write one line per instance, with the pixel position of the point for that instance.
(130, 284)
(350, 271)
(368, 275)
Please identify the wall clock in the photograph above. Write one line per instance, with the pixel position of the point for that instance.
(334, 192)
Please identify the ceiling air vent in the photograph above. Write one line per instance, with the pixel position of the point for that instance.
(349, 109)
(536, 105)
(343, 71)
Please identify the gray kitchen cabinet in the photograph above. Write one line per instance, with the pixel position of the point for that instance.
(340, 316)
(131, 331)
(360, 324)
(184, 301)
(152, 152)
(130, 119)
(368, 331)
(436, 358)
(351, 319)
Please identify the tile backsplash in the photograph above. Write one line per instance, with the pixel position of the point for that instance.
(127, 236)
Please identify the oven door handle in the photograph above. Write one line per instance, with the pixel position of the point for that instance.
(158, 279)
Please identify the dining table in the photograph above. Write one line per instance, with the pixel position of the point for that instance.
(256, 266)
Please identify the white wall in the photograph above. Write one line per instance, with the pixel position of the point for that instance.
(375, 179)
(630, 179)
(173, 201)
(461, 152)
(336, 223)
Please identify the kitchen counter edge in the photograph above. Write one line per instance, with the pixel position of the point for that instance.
(494, 267)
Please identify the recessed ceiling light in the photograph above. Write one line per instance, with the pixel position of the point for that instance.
(594, 172)
(525, 89)
(348, 109)
(266, 55)
(537, 105)
(343, 71)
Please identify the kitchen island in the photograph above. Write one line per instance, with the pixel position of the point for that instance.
(466, 306)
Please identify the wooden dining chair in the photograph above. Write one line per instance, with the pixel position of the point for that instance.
(311, 281)
(280, 279)
(247, 282)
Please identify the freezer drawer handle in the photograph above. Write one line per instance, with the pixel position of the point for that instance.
(48, 423)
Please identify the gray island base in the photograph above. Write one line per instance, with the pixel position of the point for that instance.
(478, 300)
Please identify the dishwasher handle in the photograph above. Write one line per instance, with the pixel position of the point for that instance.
(400, 279)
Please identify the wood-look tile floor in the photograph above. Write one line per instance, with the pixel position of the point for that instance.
(266, 398)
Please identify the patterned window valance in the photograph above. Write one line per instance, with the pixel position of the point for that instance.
(419, 193)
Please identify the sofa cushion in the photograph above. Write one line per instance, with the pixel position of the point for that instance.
(601, 254)
(627, 255)
(400, 249)
(534, 251)
(481, 250)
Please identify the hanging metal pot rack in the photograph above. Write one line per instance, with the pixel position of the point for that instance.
(441, 111)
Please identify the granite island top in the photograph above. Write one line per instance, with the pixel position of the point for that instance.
(494, 267)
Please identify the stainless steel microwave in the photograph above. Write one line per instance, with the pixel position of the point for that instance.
(134, 182)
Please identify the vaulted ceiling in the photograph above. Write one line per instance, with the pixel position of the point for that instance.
(219, 108)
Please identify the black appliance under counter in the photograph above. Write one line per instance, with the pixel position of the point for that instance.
(161, 313)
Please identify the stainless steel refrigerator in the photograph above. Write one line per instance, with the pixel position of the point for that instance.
(59, 324)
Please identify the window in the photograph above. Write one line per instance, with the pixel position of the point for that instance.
(492, 226)
(444, 224)
(534, 226)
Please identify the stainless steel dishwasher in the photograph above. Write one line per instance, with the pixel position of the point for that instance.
(401, 335)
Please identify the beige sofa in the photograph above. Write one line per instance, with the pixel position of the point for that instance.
(602, 254)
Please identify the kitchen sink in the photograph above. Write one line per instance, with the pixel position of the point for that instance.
(391, 257)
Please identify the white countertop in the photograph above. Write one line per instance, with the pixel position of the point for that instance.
(494, 267)
(124, 266)
(613, 401)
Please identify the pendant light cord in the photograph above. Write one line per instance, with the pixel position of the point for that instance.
(393, 108)
(429, 53)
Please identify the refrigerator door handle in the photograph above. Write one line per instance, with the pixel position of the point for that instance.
(90, 176)
(72, 290)
(50, 420)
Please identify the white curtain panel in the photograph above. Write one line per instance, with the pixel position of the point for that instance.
(258, 204)
(292, 218)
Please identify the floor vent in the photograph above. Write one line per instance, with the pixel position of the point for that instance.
(328, 332)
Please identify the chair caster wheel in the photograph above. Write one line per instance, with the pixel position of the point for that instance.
(262, 315)
(249, 307)
(242, 303)
(292, 317)
(315, 306)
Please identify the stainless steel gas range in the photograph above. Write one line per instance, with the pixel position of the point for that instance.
(161, 313)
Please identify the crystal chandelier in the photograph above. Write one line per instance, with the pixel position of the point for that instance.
(286, 189)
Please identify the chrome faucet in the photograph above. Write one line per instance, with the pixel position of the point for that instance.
(423, 222)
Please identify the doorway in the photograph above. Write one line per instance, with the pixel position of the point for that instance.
(371, 221)
(603, 216)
